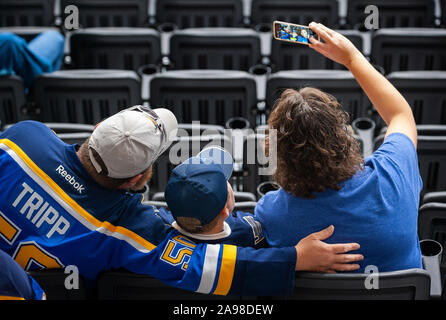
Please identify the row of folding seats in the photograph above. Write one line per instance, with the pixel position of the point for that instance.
(411, 284)
(208, 96)
(221, 13)
(241, 49)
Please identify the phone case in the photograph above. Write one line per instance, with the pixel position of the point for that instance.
(293, 37)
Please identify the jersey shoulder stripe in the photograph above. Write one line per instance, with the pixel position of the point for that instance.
(73, 208)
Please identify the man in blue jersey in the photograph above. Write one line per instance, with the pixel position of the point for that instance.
(66, 205)
(201, 202)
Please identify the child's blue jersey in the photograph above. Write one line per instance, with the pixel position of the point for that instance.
(52, 214)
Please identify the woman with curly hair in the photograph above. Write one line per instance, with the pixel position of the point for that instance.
(324, 179)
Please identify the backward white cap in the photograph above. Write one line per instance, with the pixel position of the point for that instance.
(129, 142)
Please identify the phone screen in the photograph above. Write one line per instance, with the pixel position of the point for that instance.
(293, 32)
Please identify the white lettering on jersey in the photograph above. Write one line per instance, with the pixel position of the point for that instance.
(70, 179)
(39, 211)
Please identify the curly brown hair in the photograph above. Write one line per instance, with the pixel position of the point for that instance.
(315, 150)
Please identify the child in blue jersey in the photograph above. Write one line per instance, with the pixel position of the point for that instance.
(15, 283)
(325, 180)
(202, 202)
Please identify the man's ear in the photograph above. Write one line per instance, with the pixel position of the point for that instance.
(131, 182)
(225, 213)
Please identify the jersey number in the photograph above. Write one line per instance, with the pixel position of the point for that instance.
(26, 252)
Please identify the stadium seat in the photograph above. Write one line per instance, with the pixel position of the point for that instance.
(400, 49)
(245, 206)
(85, 96)
(52, 281)
(110, 13)
(443, 12)
(115, 48)
(200, 14)
(436, 196)
(257, 168)
(411, 284)
(394, 13)
(432, 161)
(124, 285)
(208, 96)
(12, 99)
(289, 56)
(181, 149)
(432, 225)
(26, 13)
(424, 91)
(339, 83)
(295, 11)
(215, 48)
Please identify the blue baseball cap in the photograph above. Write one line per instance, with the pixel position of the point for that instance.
(197, 188)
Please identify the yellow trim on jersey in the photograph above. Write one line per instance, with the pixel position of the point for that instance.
(11, 298)
(226, 270)
(81, 211)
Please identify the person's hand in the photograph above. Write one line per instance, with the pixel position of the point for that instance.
(315, 255)
(335, 46)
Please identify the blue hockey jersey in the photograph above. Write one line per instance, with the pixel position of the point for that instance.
(52, 214)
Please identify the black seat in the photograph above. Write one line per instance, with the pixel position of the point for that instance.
(411, 284)
(181, 149)
(295, 11)
(115, 48)
(26, 13)
(85, 96)
(407, 49)
(339, 83)
(199, 13)
(52, 281)
(208, 96)
(432, 225)
(256, 166)
(110, 13)
(288, 56)
(432, 161)
(424, 91)
(124, 285)
(435, 196)
(215, 48)
(443, 12)
(12, 99)
(393, 13)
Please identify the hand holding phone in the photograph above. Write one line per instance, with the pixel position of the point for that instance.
(335, 46)
(294, 33)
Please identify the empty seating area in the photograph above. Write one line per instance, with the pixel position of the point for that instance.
(215, 62)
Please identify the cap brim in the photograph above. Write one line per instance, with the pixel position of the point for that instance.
(218, 156)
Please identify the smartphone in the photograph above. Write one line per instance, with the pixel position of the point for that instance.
(290, 32)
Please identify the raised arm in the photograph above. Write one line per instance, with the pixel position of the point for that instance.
(389, 103)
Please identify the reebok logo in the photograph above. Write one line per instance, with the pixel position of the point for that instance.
(70, 179)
